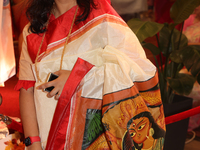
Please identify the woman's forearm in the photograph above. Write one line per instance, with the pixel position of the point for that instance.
(28, 112)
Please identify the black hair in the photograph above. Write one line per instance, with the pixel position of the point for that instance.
(38, 12)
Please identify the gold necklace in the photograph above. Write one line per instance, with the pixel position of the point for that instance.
(63, 52)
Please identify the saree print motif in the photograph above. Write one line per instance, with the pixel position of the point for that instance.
(111, 99)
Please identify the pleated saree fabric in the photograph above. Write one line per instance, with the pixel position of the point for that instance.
(111, 99)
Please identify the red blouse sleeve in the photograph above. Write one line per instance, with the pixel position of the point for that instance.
(26, 84)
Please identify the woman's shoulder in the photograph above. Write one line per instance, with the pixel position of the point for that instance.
(26, 30)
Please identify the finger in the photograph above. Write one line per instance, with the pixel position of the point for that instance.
(57, 73)
(45, 85)
(53, 92)
(57, 96)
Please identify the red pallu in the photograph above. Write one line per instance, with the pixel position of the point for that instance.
(57, 134)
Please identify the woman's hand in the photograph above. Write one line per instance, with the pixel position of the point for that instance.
(58, 84)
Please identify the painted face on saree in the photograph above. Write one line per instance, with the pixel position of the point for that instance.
(139, 129)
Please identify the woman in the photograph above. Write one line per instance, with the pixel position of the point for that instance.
(86, 44)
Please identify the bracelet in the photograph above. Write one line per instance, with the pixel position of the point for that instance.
(31, 139)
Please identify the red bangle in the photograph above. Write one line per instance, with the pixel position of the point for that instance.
(31, 139)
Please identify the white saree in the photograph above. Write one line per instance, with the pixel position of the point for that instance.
(120, 84)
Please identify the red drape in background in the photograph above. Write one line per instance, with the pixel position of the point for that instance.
(162, 10)
(162, 14)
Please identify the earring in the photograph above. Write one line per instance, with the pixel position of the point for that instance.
(151, 132)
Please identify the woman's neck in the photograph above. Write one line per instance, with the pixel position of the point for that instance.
(61, 6)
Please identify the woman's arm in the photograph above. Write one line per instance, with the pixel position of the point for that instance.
(28, 116)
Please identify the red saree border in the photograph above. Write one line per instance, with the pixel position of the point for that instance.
(77, 34)
(57, 133)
